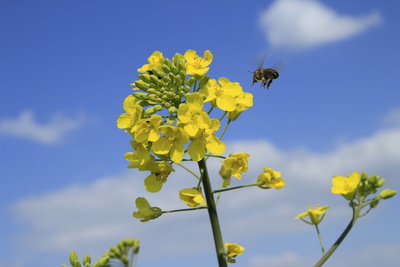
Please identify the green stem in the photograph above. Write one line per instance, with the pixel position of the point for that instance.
(320, 239)
(225, 128)
(212, 213)
(171, 211)
(326, 256)
(233, 188)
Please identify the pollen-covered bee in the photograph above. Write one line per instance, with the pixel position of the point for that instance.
(265, 75)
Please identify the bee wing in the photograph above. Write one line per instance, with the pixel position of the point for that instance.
(279, 65)
(262, 60)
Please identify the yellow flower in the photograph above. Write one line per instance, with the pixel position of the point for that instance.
(346, 186)
(192, 197)
(145, 212)
(206, 139)
(237, 163)
(192, 114)
(195, 65)
(172, 142)
(159, 174)
(156, 60)
(233, 250)
(314, 213)
(132, 115)
(223, 94)
(270, 178)
(244, 101)
(147, 129)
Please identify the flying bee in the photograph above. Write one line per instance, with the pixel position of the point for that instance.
(265, 75)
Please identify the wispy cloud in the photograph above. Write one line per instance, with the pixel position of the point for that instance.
(27, 127)
(90, 218)
(299, 24)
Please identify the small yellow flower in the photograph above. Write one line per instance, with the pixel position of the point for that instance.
(192, 114)
(145, 212)
(270, 178)
(206, 139)
(223, 94)
(155, 61)
(195, 65)
(237, 163)
(233, 250)
(146, 130)
(132, 115)
(346, 186)
(192, 197)
(314, 213)
(172, 142)
(159, 174)
(244, 101)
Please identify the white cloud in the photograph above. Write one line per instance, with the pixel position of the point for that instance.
(298, 24)
(25, 126)
(90, 218)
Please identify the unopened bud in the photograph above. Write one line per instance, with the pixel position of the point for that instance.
(145, 77)
(204, 80)
(387, 193)
(142, 85)
(380, 182)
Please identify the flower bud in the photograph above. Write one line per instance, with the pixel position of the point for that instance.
(372, 179)
(364, 176)
(171, 120)
(154, 79)
(191, 82)
(158, 72)
(144, 77)
(387, 193)
(73, 258)
(174, 70)
(204, 80)
(86, 260)
(165, 68)
(142, 85)
(140, 95)
(172, 110)
(380, 182)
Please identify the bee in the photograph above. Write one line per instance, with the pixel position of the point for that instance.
(265, 75)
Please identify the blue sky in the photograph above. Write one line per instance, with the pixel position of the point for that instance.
(66, 69)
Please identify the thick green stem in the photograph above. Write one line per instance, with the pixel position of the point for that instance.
(212, 213)
(326, 256)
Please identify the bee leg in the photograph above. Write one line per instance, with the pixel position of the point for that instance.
(269, 83)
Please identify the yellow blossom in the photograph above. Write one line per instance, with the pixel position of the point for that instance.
(195, 65)
(223, 94)
(145, 212)
(159, 174)
(155, 61)
(192, 197)
(237, 163)
(244, 101)
(172, 142)
(147, 129)
(346, 186)
(132, 115)
(206, 139)
(270, 178)
(233, 250)
(192, 114)
(314, 213)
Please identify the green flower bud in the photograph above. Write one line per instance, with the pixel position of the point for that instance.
(171, 120)
(154, 79)
(191, 82)
(142, 85)
(86, 260)
(167, 105)
(373, 179)
(174, 70)
(374, 203)
(125, 259)
(177, 59)
(151, 90)
(154, 98)
(166, 68)
(204, 80)
(158, 72)
(364, 176)
(135, 246)
(168, 62)
(387, 193)
(140, 95)
(172, 110)
(144, 77)
(380, 182)
(73, 257)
